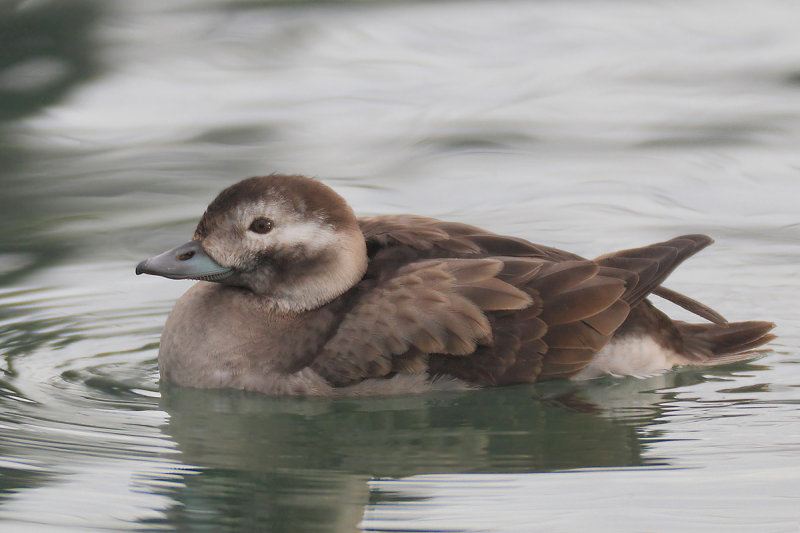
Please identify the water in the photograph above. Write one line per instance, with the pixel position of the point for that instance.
(590, 126)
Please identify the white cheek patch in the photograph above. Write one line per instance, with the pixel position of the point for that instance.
(288, 231)
(311, 234)
(237, 246)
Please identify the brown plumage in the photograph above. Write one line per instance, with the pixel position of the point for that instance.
(332, 304)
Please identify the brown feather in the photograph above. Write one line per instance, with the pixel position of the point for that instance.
(470, 270)
(438, 306)
(584, 301)
(559, 277)
(563, 362)
(716, 340)
(574, 335)
(519, 272)
(494, 295)
(490, 309)
(607, 321)
(667, 255)
(691, 305)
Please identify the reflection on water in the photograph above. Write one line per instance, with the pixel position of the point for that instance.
(294, 464)
(589, 126)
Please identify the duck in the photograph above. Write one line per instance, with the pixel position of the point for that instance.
(295, 295)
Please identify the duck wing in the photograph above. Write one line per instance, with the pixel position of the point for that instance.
(403, 238)
(486, 321)
(428, 237)
(653, 263)
(490, 319)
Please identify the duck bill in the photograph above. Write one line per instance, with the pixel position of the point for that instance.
(187, 261)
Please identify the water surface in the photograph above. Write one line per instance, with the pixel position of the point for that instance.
(590, 126)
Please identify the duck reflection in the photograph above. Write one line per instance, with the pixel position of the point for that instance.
(299, 464)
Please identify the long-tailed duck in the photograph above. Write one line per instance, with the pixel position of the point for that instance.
(298, 296)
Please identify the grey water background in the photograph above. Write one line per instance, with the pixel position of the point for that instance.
(587, 125)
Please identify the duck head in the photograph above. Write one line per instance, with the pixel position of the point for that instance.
(289, 239)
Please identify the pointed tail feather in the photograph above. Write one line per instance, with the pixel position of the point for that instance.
(719, 344)
(691, 305)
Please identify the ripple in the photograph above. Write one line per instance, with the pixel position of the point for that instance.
(589, 126)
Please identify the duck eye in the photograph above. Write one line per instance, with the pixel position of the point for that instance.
(261, 225)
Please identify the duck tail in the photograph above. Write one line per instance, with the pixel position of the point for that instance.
(721, 344)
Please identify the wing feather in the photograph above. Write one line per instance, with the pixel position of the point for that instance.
(454, 299)
(432, 306)
(584, 301)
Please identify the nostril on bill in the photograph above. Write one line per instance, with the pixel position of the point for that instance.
(185, 256)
